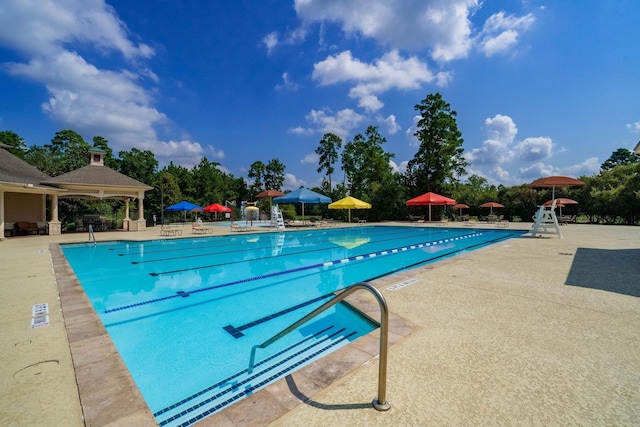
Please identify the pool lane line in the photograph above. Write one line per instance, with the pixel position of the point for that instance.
(395, 237)
(236, 332)
(445, 255)
(249, 390)
(326, 264)
(202, 267)
(241, 247)
(262, 362)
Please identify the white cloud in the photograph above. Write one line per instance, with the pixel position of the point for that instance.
(497, 148)
(589, 167)
(311, 158)
(392, 126)
(92, 100)
(401, 168)
(502, 159)
(43, 27)
(299, 130)
(389, 72)
(341, 123)
(291, 182)
(534, 149)
(633, 126)
(413, 140)
(370, 103)
(213, 153)
(287, 84)
(440, 26)
(500, 33)
(184, 152)
(270, 41)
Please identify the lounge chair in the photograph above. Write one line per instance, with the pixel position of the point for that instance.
(199, 229)
(166, 230)
(238, 227)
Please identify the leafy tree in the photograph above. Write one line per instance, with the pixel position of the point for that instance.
(209, 182)
(328, 152)
(439, 160)
(257, 171)
(621, 156)
(39, 157)
(614, 195)
(184, 179)
(365, 162)
(15, 141)
(68, 151)
(169, 191)
(274, 175)
(139, 165)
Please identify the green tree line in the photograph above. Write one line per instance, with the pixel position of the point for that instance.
(611, 197)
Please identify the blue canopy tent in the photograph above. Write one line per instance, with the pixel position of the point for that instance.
(302, 195)
(184, 206)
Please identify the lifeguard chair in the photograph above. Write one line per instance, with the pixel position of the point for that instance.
(545, 221)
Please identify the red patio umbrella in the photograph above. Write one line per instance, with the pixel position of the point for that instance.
(216, 207)
(491, 205)
(460, 206)
(560, 203)
(428, 199)
(555, 181)
(269, 193)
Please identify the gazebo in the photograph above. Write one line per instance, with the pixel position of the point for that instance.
(23, 190)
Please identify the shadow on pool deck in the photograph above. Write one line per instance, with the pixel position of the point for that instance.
(613, 270)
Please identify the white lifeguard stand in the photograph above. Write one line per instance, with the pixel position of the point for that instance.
(277, 222)
(545, 221)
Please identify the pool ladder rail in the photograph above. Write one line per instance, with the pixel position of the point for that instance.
(380, 403)
(92, 235)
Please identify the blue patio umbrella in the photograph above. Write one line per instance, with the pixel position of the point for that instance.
(184, 206)
(302, 195)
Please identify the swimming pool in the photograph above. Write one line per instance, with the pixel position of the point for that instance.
(184, 313)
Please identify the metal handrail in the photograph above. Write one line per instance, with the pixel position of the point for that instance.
(380, 403)
(91, 234)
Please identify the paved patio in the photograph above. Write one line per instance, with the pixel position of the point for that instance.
(532, 331)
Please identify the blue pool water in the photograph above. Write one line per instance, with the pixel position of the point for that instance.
(185, 313)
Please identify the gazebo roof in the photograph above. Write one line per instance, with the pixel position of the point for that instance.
(96, 175)
(15, 170)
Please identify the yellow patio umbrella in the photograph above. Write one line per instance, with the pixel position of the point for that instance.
(349, 203)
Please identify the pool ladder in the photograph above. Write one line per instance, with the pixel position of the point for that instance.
(380, 403)
(92, 235)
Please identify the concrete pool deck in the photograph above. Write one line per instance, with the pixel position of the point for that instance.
(528, 331)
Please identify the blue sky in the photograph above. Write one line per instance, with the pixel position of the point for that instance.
(540, 87)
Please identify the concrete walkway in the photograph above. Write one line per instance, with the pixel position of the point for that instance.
(530, 331)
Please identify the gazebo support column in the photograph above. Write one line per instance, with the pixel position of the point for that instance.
(126, 220)
(142, 223)
(2, 214)
(55, 227)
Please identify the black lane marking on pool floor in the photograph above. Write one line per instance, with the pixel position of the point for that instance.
(251, 388)
(236, 332)
(232, 377)
(294, 270)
